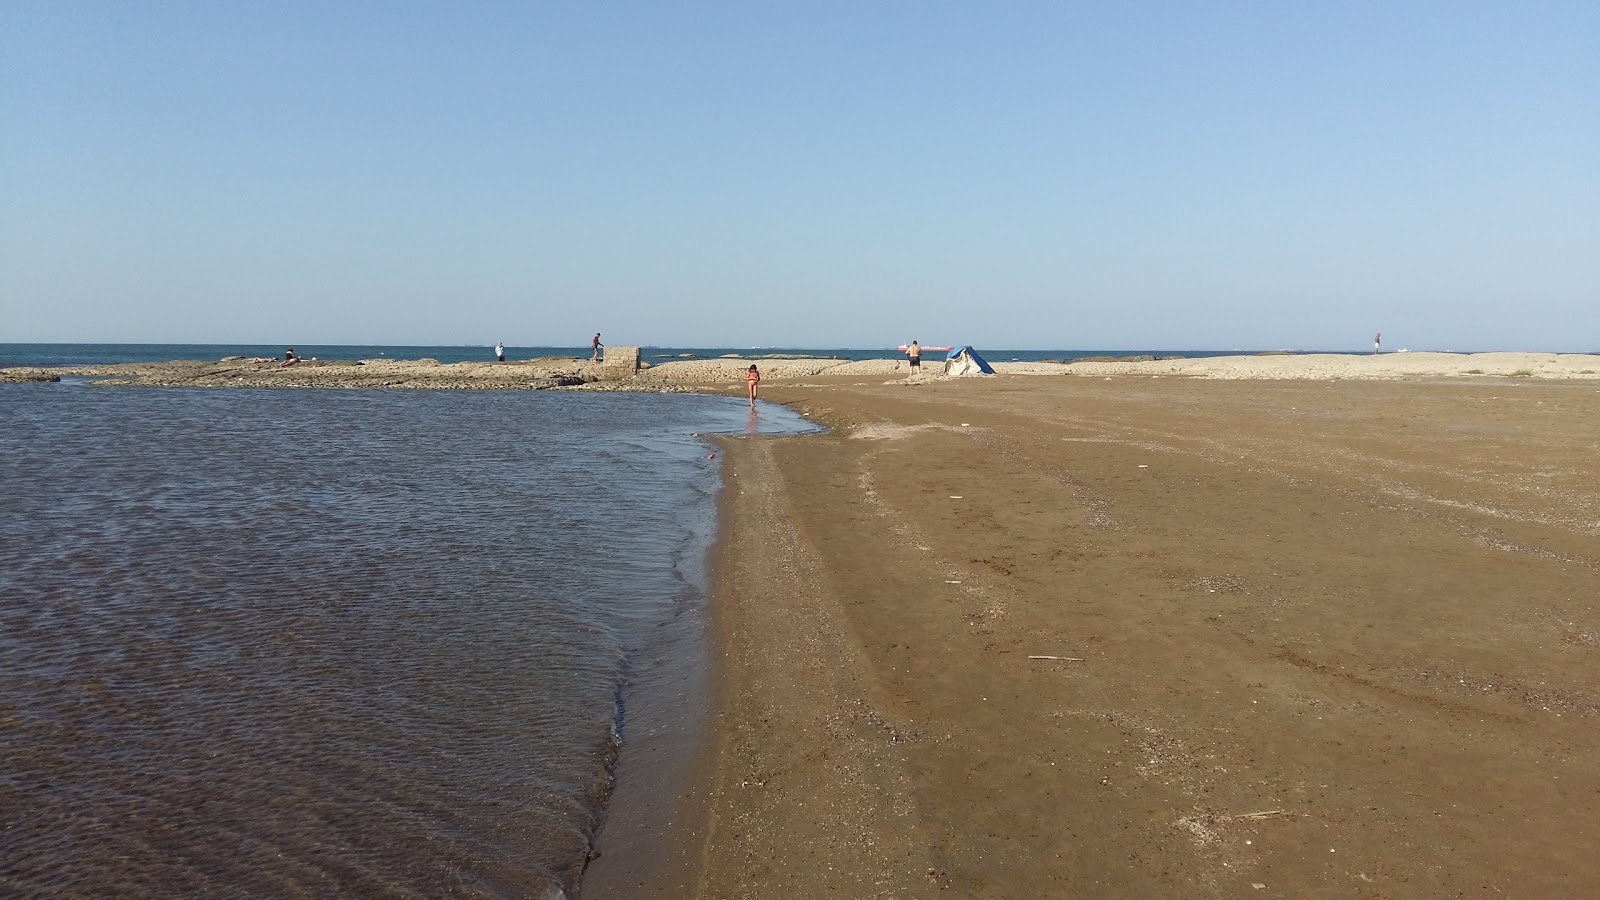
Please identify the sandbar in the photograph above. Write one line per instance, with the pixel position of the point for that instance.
(564, 373)
(1183, 635)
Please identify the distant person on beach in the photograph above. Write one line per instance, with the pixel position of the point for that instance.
(753, 378)
(597, 347)
(289, 358)
(500, 352)
(914, 356)
(1376, 340)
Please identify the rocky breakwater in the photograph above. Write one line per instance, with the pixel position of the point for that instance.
(532, 374)
(622, 370)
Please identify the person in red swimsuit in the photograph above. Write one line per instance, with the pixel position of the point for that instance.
(753, 378)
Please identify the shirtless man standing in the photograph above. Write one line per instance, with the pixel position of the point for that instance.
(914, 355)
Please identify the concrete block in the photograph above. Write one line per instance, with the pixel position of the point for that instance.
(619, 363)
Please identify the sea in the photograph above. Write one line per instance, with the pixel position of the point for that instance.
(107, 354)
(320, 642)
(334, 642)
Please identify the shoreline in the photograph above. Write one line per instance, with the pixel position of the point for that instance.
(1028, 635)
(560, 373)
(1153, 636)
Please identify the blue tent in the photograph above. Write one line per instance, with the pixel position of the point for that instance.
(955, 362)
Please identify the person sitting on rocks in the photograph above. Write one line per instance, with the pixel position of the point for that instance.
(289, 358)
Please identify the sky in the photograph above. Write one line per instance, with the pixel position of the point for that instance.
(1052, 175)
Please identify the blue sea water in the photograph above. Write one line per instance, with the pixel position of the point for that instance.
(328, 642)
(107, 354)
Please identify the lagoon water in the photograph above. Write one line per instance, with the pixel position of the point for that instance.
(332, 642)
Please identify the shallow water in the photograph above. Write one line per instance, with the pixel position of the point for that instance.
(320, 642)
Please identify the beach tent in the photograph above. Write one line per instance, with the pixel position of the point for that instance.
(966, 361)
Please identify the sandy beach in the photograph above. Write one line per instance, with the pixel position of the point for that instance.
(1287, 627)
(1276, 626)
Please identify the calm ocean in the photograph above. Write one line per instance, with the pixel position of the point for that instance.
(106, 354)
(332, 642)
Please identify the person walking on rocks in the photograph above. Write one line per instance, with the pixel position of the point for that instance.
(914, 356)
(500, 352)
(753, 378)
(597, 347)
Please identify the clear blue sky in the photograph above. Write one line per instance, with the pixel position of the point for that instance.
(1012, 175)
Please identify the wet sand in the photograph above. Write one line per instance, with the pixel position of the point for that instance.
(1153, 636)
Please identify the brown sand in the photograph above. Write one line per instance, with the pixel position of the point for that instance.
(1311, 638)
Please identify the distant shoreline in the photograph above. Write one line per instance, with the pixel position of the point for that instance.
(696, 373)
(57, 355)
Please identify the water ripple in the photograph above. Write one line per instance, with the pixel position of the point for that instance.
(327, 642)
